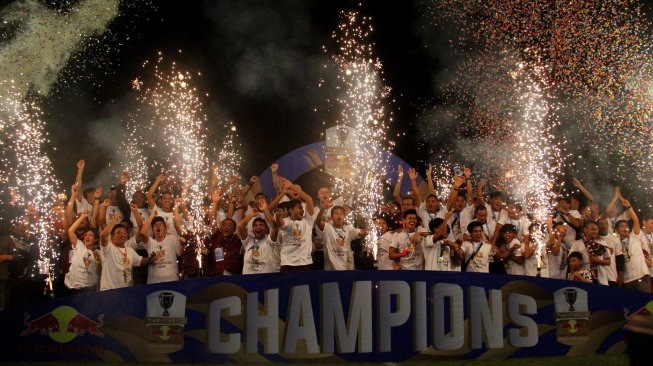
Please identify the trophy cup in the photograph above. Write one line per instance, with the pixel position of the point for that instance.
(570, 298)
(343, 133)
(166, 299)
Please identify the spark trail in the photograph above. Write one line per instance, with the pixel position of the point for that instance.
(362, 105)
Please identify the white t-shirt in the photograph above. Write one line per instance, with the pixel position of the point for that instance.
(413, 260)
(144, 213)
(134, 244)
(297, 241)
(438, 256)
(612, 242)
(117, 266)
(111, 211)
(458, 223)
(326, 216)
(83, 205)
(513, 268)
(258, 255)
(634, 264)
(275, 254)
(466, 216)
(383, 248)
(647, 243)
(497, 217)
(558, 263)
(494, 218)
(481, 260)
(164, 267)
(570, 237)
(337, 247)
(426, 217)
(83, 270)
(530, 264)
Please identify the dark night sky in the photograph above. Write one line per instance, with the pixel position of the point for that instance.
(261, 63)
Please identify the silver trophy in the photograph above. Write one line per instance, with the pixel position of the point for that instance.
(343, 133)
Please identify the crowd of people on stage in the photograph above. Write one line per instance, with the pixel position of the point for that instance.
(106, 240)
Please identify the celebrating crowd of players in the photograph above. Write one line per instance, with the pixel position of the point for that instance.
(107, 242)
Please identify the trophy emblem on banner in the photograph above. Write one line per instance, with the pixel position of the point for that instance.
(340, 150)
(165, 321)
(572, 315)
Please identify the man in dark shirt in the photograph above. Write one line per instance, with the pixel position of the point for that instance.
(224, 251)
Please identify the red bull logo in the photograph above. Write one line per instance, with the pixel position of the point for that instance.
(165, 332)
(63, 324)
(572, 326)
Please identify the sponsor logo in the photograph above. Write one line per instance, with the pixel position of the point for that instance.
(165, 321)
(572, 315)
(63, 324)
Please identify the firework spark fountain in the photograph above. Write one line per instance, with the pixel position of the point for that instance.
(537, 155)
(178, 114)
(31, 179)
(596, 59)
(362, 107)
(134, 161)
(228, 157)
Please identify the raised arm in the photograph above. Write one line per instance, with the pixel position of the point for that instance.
(554, 241)
(152, 190)
(274, 168)
(319, 220)
(102, 216)
(274, 229)
(96, 207)
(144, 233)
(630, 212)
(582, 189)
(429, 180)
(137, 216)
(107, 230)
(612, 205)
(78, 180)
(412, 174)
(121, 199)
(241, 228)
(468, 184)
(453, 194)
(176, 217)
(69, 212)
(310, 209)
(72, 235)
(479, 191)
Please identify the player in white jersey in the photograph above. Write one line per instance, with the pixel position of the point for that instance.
(165, 247)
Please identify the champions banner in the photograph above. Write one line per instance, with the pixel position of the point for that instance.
(353, 316)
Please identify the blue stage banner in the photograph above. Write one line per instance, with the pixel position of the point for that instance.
(353, 316)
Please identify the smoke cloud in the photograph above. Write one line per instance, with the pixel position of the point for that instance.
(45, 39)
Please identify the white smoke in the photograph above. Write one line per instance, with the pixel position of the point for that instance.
(47, 38)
